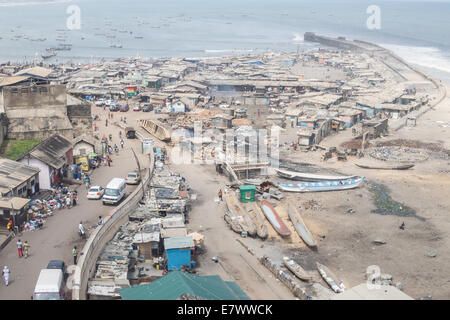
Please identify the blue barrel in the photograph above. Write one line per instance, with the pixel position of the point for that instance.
(79, 176)
(75, 175)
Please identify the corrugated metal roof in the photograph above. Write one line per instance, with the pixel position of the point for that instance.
(178, 243)
(52, 150)
(35, 71)
(176, 284)
(12, 80)
(13, 173)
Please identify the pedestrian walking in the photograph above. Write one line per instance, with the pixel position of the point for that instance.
(110, 150)
(74, 199)
(5, 274)
(10, 226)
(220, 194)
(26, 247)
(87, 180)
(122, 143)
(100, 221)
(19, 248)
(68, 202)
(106, 122)
(108, 160)
(75, 254)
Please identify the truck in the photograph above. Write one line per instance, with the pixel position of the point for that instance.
(50, 285)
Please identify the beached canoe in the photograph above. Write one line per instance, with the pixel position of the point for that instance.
(300, 226)
(386, 167)
(274, 219)
(299, 176)
(296, 269)
(258, 217)
(329, 277)
(238, 214)
(322, 185)
(157, 129)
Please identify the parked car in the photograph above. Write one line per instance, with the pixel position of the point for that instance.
(147, 107)
(58, 264)
(133, 178)
(95, 192)
(100, 102)
(114, 107)
(124, 108)
(130, 133)
(137, 108)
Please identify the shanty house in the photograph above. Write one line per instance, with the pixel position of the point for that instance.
(18, 179)
(178, 252)
(52, 157)
(221, 121)
(14, 208)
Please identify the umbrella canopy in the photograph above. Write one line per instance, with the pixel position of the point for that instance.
(93, 155)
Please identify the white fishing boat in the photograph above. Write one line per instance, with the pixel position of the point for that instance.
(334, 185)
(299, 176)
(329, 277)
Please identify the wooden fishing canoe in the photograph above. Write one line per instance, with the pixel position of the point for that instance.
(157, 129)
(321, 185)
(329, 277)
(296, 269)
(274, 219)
(258, 217)
(300, 226)
(299, 176)
(386, 167)
(237, 213)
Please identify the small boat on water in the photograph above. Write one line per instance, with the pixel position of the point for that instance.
(386, 167)
(322, 185)
(239, 215)
(274, 219)
(258, 218)
(300, 226)
(296, 269)
(48, 55)
(329, 278)
(299, 176)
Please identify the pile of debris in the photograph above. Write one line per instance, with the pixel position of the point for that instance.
(400, 154)
(312, 205)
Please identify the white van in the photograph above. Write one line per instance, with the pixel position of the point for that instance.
(114, 191)
(50, 285)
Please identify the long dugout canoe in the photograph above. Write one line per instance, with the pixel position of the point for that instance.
(300, 226)
(274, 219)
(322, 185)
(299, 176)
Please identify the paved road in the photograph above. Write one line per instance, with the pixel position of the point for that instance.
(59, 235)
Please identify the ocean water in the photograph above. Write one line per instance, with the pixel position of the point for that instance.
(419, 31)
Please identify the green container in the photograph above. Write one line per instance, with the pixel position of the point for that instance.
(247, 193)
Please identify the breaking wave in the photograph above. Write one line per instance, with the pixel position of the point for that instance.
(429, 57)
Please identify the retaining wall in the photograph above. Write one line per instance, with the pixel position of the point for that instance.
(100, 236)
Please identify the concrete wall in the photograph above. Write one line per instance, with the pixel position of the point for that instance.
(35, 97)
(44, 174)
(80, 117)
(88, 148)
(98, 239)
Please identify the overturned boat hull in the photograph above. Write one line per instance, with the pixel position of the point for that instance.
(386, 167)
(322, 185)
(274, 219)
(300, 226)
